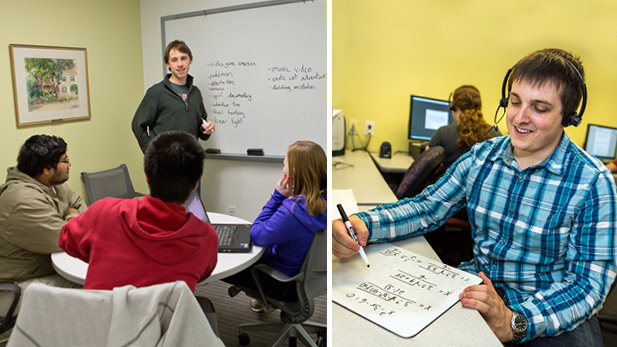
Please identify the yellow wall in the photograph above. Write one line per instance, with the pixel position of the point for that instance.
(383, 51)
(110, 31)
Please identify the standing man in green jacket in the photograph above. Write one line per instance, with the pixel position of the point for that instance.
(174, 103)
(35, 203)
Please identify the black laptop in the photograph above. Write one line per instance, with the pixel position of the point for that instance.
(233, 238)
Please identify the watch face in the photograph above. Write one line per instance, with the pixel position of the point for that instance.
(519, 323)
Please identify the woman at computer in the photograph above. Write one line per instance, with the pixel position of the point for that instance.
(287, 222)
(468, 129)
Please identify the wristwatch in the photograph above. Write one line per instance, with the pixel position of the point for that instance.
(519, 326)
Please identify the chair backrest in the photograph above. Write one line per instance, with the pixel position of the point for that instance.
(7, 321)
(420, 172)
(313, 282)
(113, 182)
(160, 315)
(315, 266)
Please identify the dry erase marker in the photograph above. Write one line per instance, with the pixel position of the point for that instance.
(205, 123)
(352, 233)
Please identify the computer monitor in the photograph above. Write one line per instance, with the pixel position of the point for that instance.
(427, 115)
(601, 141)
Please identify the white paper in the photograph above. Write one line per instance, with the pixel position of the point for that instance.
(346, 198)
(402, 291)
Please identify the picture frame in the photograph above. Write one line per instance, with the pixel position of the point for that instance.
(50, 84)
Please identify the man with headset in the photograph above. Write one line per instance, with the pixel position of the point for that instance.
(543, 213)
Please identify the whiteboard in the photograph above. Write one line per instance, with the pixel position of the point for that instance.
(402, 291)
(262, 73)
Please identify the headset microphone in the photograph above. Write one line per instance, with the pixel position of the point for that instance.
(504, 100)
(573, 118)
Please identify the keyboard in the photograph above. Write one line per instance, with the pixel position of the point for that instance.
(225, 233)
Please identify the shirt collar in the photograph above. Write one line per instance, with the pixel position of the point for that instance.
(553, 163)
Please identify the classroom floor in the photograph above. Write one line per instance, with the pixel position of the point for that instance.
(232, 312)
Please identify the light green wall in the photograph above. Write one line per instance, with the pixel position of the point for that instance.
(110, 31)
(383, 51)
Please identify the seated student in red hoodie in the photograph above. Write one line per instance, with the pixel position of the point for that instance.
(152, 240)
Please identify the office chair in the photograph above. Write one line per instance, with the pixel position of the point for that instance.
(160, 315)
(113, 182)
(310, 282)
(8, 320)
(452, 242)
(421, 171)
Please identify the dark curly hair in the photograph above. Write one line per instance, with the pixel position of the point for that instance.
(472, 127)
(40, 152)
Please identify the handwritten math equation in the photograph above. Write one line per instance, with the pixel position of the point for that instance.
(388, 296)
(438, 269)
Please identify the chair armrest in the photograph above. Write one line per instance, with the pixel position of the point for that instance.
(273, 273)
(10, 287)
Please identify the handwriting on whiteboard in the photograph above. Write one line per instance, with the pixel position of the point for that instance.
(229, 95)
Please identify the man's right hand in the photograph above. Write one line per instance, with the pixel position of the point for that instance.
(343, 246)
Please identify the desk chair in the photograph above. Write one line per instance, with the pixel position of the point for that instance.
(114, 182)
(160, 315)
(452, 242)
(421, 172)
(311, 282)
(8, 320)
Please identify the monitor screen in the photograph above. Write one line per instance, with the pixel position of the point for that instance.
(601, 141)
(427, 115)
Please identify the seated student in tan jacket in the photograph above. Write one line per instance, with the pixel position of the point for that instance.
(35, 203)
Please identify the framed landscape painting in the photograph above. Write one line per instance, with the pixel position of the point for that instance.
(50, 84)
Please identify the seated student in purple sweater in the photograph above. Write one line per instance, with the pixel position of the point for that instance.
(286, 224)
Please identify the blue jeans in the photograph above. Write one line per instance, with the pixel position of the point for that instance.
(587, 334)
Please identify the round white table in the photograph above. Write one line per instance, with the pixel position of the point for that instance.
(228, 264)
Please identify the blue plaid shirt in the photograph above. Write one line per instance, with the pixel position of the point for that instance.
(546, 234)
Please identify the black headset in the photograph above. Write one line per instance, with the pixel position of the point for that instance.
(573, 118)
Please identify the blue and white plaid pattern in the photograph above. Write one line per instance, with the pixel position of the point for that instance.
(545, 234)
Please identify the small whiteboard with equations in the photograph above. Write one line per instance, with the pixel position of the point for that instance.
(403, 291)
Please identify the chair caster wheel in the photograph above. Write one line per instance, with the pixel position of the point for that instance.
(233, 291)
(321, 339)
(244, 339)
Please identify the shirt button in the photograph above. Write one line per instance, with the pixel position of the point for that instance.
(494, 263)
(520, 178)
(511, 212)
(503, 242)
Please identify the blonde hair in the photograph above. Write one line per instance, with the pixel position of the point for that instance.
(472, 128)
(306, 161)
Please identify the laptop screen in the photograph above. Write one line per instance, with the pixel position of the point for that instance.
(194, 205)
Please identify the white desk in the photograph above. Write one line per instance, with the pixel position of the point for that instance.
(228, 264)
(356, 170)
(399, 163)
(456, 327)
